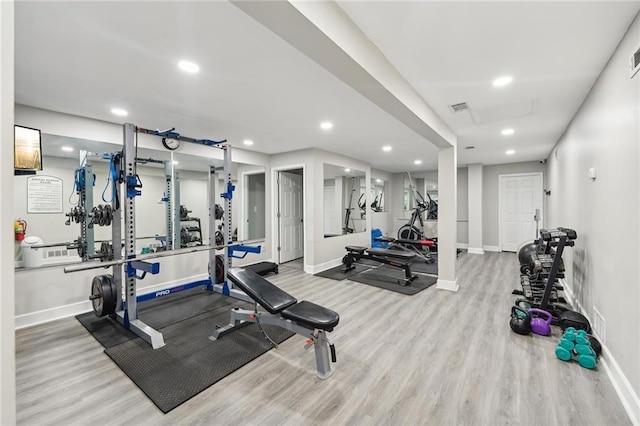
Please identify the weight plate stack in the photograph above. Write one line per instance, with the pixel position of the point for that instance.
(103, 295)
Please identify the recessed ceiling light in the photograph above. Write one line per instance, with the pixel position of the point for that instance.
(417, 162)
(175, 162)
(379, 180)
(347, 170)
(507, 132)
(119, 111)
(502, 81)
(510, 152)
(67, 148)
(247, 142)
(386, 148)
(187, 66)
(326, 125)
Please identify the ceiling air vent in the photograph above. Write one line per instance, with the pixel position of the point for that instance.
(470, 147)
(634, 62)
(459, 107)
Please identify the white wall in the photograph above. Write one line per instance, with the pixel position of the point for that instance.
(603, 266)
(7, 333)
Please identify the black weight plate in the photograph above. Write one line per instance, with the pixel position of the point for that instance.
(219, 269)
(218, 212)
(219, 238)
(103, 287)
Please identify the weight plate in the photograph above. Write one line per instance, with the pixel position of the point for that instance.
(218, 212)
(219, 269)
(103, 295)
(219, 238)
(109, 212)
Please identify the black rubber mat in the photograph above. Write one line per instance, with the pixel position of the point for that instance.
(337, 273)
(157, 313)
(388, 278)
(190, 362)
(424, 267)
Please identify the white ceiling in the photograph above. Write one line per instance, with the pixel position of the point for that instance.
(52, 146)
(84, 58)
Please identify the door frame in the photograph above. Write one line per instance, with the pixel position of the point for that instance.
(501, 177)
(275, 203)
(244, 201)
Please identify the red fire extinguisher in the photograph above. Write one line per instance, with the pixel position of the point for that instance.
(20, 228)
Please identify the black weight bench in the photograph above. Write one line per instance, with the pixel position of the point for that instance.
(263, 268)
(283, 310)
(386, 256)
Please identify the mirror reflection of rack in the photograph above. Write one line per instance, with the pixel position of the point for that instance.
(61, 155)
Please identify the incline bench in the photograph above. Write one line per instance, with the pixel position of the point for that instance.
(304, 318)
(386, 256)
(419, 247)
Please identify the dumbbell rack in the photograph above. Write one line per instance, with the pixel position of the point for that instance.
(541, 288)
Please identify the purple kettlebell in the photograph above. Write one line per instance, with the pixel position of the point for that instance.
(541, 326)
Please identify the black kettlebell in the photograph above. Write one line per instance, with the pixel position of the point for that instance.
(525, 304)
(520, 321)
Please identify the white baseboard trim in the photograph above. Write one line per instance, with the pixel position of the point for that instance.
(491, 248)
(314, 269)
(59, 312)
(475, 250)
(447, 285)
(626, 393)
(47, 315)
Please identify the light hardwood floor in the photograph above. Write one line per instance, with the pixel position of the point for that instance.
(434, 358)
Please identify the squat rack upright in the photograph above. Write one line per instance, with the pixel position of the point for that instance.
(126, 311)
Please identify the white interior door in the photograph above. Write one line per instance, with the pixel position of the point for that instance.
(290, 214)
(520, 196)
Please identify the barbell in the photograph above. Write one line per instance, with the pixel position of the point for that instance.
(116, 262)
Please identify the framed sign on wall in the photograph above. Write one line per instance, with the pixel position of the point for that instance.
(44, 194)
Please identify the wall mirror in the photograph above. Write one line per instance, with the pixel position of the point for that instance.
(379, 188)
(248, 205)
(344, 200)
(421, 189)
(169, 179)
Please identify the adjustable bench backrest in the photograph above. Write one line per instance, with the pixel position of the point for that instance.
(267, 295)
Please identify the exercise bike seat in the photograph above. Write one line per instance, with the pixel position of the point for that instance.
(385, 239)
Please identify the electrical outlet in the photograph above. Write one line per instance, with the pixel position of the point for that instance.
(599, 326)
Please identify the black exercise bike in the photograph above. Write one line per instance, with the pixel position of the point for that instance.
(410, 231)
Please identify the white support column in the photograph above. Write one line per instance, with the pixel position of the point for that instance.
(475, 209)
(7, 276)
(447, 214)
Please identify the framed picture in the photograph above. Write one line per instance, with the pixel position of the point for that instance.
(27, 149)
